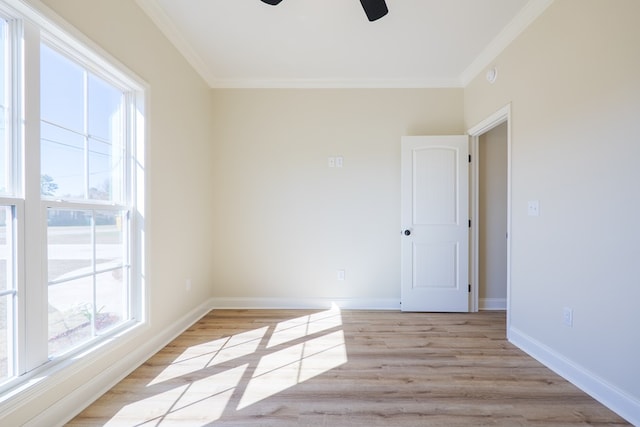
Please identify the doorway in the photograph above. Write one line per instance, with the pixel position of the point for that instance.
(491, 212)
(492, 219)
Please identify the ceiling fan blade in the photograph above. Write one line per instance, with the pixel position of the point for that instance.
(375, 9)
(272, 2)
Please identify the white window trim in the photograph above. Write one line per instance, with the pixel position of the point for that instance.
(41, 375)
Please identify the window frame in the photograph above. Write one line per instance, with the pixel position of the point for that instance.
(31, 26)
(86, 203)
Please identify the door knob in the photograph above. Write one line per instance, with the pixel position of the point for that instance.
(407, 232)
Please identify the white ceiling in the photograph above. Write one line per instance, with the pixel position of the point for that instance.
(330, 43)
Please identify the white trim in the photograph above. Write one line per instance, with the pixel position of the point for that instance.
(334, 83)
(492, 304)
(35, 308)
(474, 207)
(306, 303)
(501, 116)
(522, 20)
(58, 30)
(168, 28)
(77, 400)
(610, 396)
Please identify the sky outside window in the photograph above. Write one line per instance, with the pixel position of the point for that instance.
(81, 154)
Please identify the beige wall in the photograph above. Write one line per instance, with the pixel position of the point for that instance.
(572, 79)
(179, 153)
(286, 222)
(492, 206)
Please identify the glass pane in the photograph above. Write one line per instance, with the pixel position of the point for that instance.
(104, 103)
(7, 313)
(5, 249)
(105, 166)
(6, 337)
(109, 239)
(62, 163)
(6, 160)
(81, 126)
(88, 293)
(61, 90)
(70, 250)
(111, 299)
(6, 164)
(70, 313)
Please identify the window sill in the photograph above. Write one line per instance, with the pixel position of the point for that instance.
(55, 372)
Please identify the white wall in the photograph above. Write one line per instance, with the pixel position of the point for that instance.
(572, 79)
(286, 221)
(178, 204)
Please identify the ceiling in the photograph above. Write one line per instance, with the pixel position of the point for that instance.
(330, 43)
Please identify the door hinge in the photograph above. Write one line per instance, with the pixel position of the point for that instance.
(469, 223)
(469, 158)
(469, 287)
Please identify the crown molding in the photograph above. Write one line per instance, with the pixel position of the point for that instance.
(168, 28)
(522, 20)
(333, 84)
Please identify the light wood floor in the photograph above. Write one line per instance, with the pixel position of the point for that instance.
(349, 368)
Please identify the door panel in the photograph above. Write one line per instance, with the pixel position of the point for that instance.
(435, 265)
(435, 213)
(434, 180)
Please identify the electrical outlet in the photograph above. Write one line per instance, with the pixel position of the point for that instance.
(187, 285)
(567, 316)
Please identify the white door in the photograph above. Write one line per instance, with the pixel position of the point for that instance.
(435, 223)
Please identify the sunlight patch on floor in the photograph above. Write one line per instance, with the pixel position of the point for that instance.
(303, 326)
(295, 364)
(206, 379)
(196, 358)
(202, 401)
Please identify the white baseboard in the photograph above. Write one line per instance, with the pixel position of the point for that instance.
(492, 304)
(610, 396)
(306, 303)
(75, 402)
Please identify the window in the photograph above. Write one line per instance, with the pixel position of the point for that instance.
(82, 175)
(7, 292)
(71, 182)
(8, 204)
(82, 147)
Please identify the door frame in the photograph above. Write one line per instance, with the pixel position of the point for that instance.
(499, 117)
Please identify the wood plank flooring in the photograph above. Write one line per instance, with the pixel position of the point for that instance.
(344, 368)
